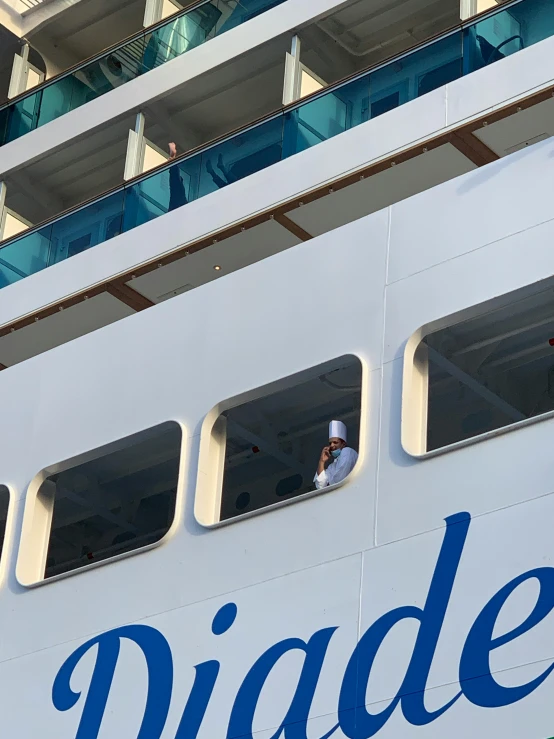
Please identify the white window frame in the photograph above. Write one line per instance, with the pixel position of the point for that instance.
(209, 483)
(39, 509)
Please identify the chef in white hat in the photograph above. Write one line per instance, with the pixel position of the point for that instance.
(337, 459)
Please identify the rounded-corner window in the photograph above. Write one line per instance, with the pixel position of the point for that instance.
(271, 445)
(108, 502)
(479, 372)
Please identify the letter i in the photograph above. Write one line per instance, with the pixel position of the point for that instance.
(204, 680)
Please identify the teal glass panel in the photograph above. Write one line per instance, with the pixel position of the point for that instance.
(4, 122)
(87, 227)
(507, 31)
(415, 74)
(25, 256)
(161, 192)
(244, 10)
(107, 73)
(327, 116)
(23, 117)
(182, 34)
(55, 101)
(242, 155)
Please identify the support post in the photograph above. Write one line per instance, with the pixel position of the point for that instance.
(272, 449)
(24, 74)
(153, 12)
(299, 79)
(291, 87)
(134, 160)
(468, 8)
(18, 80)
(514, 413)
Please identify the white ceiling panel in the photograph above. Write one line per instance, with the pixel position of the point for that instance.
(231, 254)
(62, 327)
(527, 127)
(382, 190)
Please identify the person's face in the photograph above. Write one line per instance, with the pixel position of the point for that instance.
(336, 443)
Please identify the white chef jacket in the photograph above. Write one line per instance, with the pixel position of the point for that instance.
(337, 470)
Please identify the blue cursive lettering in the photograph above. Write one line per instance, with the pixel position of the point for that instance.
(356, 722)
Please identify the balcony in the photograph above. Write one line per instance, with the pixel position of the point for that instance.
(128, 60)
(280, 136)
(63, 34)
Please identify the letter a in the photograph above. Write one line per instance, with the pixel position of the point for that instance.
(296, 718)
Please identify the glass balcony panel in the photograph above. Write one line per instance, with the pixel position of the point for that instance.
(163, 191)
(56, 101)
(326, 116)
(25, 256)
(108, 73)
(242, 155)
(244, 10)
(182, 34)
(507, 32)
(5, 114)
(92, 225)
(416, 74)
(23, 117)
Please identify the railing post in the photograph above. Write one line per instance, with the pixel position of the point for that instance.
(134, 160)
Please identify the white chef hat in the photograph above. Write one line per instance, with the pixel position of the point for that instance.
(337, 430)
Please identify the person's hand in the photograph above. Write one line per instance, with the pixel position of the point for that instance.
(325, 455)
(172, 150)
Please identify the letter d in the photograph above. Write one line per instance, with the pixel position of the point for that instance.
(159, 663)
(358, 723)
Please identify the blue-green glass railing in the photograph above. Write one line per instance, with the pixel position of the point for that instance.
(144, 52)
(333, 111)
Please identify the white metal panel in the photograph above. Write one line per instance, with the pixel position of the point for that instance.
(379, 191)
(495, 85)
(486, 476)
(489, 559)
(167, 363)
(189, 632)
(467, 213)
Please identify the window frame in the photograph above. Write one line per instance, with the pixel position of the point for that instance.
(35, 530)
(207, 501)
(415, 399)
